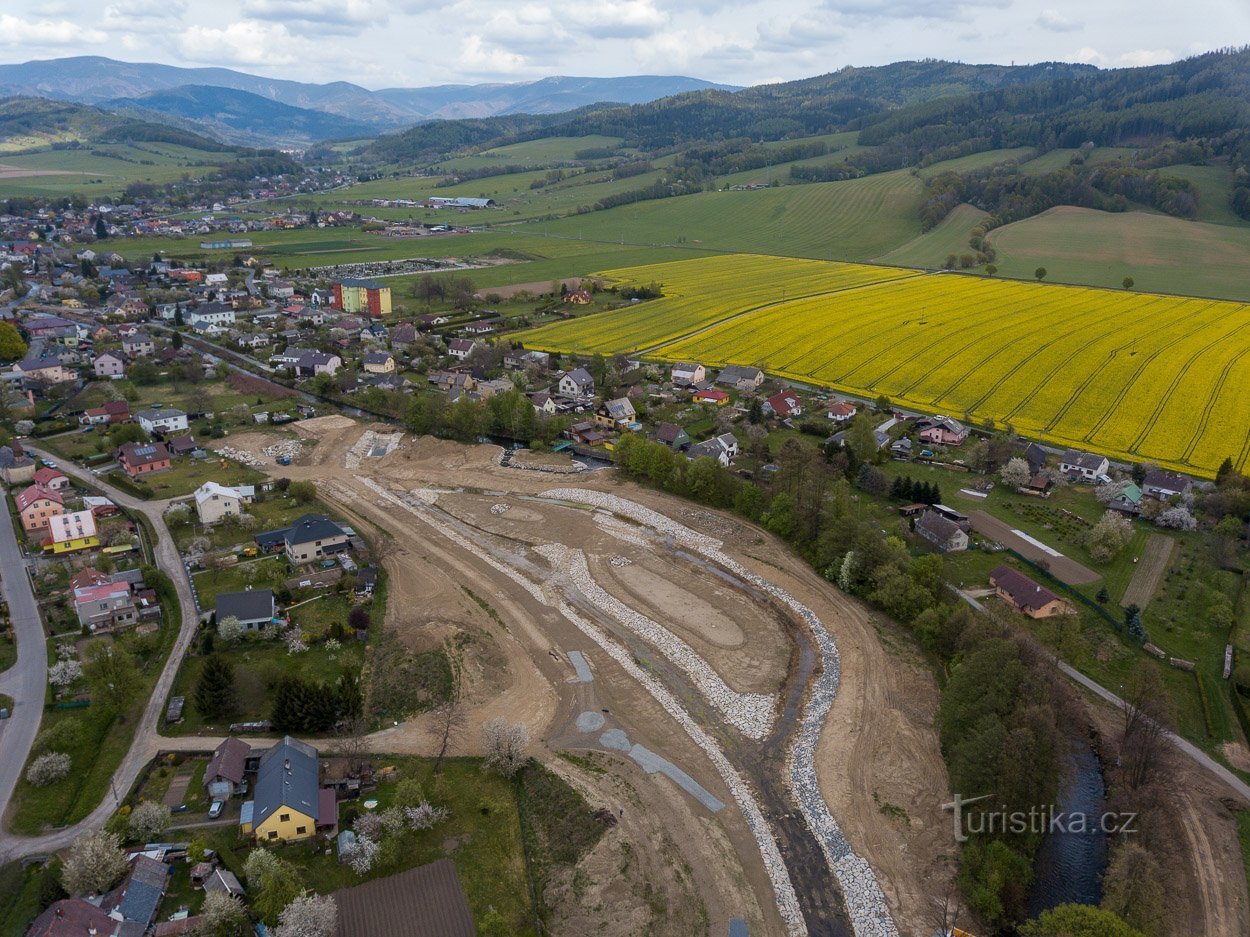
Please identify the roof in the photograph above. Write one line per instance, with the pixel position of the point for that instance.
(229, 761)
(427, 901)
(225, 881)
(143, 890)
(942, 528)
(363, 284)
(210, 490)
(686, 366)
(163, 413)
(143, 453)
(668, 432)
(64, 527)
(784, 402)
(377, 357)
(312, 527)
(1085, 460)
(104, 592)
(287, 777)
(71, 917)
(461, 344)
(28, 496)
(45, 475)
(250, 605)
(311, 359)
(1155, 478)
(580, 376)
(1023, 591)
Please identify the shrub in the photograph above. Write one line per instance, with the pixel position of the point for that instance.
(48, 768)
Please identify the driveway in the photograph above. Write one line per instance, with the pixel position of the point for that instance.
(146, 742)
(26, 681)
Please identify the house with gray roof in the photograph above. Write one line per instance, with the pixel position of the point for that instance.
(254, 608)
(289, 803)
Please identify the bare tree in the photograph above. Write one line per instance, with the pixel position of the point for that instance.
(505, 746)
(448, 719)
(1146, 716)
(947, 910)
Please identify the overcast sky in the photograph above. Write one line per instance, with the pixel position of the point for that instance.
(378, 44)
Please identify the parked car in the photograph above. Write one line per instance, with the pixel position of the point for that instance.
(215, 810)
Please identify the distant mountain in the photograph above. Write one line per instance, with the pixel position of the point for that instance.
(28, 123)
(98, 80)
(241, 117)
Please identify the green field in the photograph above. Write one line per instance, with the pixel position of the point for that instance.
(1057, 159)
(949, 236)
(533, 152)
(1161, 254)
(1215, 187)
(981, 160)
(104, 169)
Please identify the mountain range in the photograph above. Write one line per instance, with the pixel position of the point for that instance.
(251, 109)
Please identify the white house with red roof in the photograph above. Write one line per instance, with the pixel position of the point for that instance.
(784, 405)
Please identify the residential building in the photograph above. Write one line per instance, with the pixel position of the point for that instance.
(1126, 500)
(379, 362)
(708, 448)
(615, 413)
(717, 398)
(139, 345)
(1083, 466)
(312, 363)
(1025, 595)
(210, 314)
(544, 403)
(111, 412)
(741, 378)
(229, 765)
(47, 370)
(729, 443)
(288, 801)
(784, 405)
(1163, 485)
(842, 410)
(110, 364)
(942, 532)
(70, 532)
(162, 420)
(288, 358)
(143, 458)
(74, 917)
(942, 431)
(37, 505)
(180, 446)
(52, 479)
(461, 348)
(139, 896)
(577, 298)
(214, 501)
(577, 384)
(310, 538)
(254, 608)
(686, 373)
(105, 606)
(367, 297)
(672, 435)
(16, 466)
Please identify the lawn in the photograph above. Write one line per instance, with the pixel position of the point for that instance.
(258, 665)
(23, 892)
(187, 475)
(315, 616)
(264, 573)
(272, 511)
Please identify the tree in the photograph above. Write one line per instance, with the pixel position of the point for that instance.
(1077, 920)
(361, 854)
(214, 696)
(448, 719)
(991, 269)
(273, 882)
(148, 821)
(1177, 518)
(1127, 283)
(1133, 889)
(64, 672)
(230, 629)
(101, 229)
(862, 438)
(1145, 718)
(112, 674)
(1040, 273)
(303, 491)
(1103, 595)
(309, 915)
(95, 864)
(1016, 473)
(48, 768)
(12, 348)
(505, 746)
(176, 342)
(1109, 536)
(222, 915)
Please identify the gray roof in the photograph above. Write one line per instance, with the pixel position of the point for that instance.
(1085, 460)
(160, 414)
(581, 377)
(252, 605)
(312, 527)
(940, 527)
(224, 880)
(287, 777)
(143, 890)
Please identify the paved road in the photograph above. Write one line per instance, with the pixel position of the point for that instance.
(146, 742)
(1193, 752)
(25, 681)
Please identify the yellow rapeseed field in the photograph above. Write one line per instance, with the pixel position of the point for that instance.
(1140, 377)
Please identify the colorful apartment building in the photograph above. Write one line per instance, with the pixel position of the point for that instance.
(70, 532)
(363, 297)
(37, 505)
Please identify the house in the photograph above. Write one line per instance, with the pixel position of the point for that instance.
(143, 458)
(544, 403)
(229, 765)
(1025, 595)
(1126, 500)
(367, 297)
(140, 893)
(520, 359)
(461, 348)
(16, 466)
(613, 413)
(717, 398)
(110, 364)
(210, 314)
(181, 446)
(672, 435)
(577, 298)
(74, 917)
(52, 479)
(105, 606)
(942, 431)
(708, 448)
(287, 804)
(479, 328)
(37, 505)
(309, 538)
(70, 532)
(585, 433)
(288, 358)
(1032, 453)
(1083, 466)
(162, 420)
(426, 901)
(577, 384)
(842, 410)
(901, 448)
(111, 412)
(214, 501)
(312, 363)
(942, 532)
(138, 345)
(741, 378)
(729, 443)
(1163, 485)
(379, 362)
(402, 336)
(47, 370)
(254, 608)
(686, 373)
(784, 405)
(432, 319)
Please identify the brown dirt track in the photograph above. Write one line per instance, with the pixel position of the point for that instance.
(1063, 567)
(1150, 569)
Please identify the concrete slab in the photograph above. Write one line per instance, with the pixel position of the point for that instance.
(737, 927)
(615, 739)
(652, 763)
(583, 669)
(590, 721)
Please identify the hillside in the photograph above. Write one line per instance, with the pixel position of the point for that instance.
(30, 123)
(242, 117)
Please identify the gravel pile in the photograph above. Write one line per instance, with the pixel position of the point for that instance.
(288, 448)
(499, 508)
(620, 562)
(368, 442)
(240, 455)
(865, 902)
(774, 865)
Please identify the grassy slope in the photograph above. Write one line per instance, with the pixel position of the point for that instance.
(546, 150)
(931, 248)
(1078, 245)
(106, 168)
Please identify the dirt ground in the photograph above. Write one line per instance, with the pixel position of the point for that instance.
(1064, 567)
(672, 866)
(1150, 569)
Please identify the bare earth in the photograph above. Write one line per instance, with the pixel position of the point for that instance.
(1063, 567)
(1150, 569)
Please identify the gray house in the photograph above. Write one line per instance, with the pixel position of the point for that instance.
(254, 608)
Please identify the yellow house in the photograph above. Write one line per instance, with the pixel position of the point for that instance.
(289, 804)
(70, 532)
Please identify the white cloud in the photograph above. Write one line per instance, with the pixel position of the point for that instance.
(145, 9)
(16, 31)
(617, 19)
(1132, 59)
(1056, 22)
(245, 42)
(319, 16)
(798, 34)
(479, 57)
(909, 9)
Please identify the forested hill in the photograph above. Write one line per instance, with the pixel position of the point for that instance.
(27, 123)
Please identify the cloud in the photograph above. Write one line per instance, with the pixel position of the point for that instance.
(318, 17)
(15, 31)
(1132, 59)
(145, 9)
(483, 58)
(909, 9)
(245, 42)
(617, 19)
(1056, 22)
(797, 34)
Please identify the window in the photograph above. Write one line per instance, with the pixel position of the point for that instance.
(301, 830)
(285, 818)
(273, 834)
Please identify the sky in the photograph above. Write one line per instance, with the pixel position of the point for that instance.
(409, 43)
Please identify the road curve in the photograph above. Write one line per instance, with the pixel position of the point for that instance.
(146, 741)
